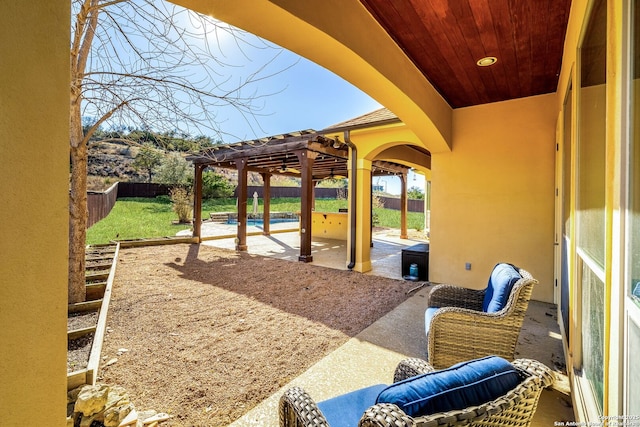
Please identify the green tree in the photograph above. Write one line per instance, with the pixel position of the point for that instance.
(215, 185)
(174, 170)
(334, 183)
(148, 159)
(415, 193)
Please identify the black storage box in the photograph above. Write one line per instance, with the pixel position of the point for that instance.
(416, 254)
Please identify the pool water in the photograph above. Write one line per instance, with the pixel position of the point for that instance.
(260, 221)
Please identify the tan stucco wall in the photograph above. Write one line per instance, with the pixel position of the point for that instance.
(34, 123)
(493, 197)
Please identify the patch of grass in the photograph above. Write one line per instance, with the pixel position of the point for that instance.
(391, 219)
(138, 218)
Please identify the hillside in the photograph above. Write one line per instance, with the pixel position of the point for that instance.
(110, 162)
(113, 161)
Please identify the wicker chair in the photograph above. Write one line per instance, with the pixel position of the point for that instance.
(514, 409)
(461, 330)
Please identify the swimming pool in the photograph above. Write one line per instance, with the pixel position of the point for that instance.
(260, 221)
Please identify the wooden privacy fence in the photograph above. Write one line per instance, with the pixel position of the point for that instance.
(100, 203)
(413, 205)
(143, 189)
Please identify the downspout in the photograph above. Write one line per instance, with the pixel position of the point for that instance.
(354, 218)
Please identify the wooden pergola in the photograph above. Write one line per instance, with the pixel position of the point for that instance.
(307, 155)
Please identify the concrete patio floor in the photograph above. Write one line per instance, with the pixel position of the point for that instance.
(371, 356)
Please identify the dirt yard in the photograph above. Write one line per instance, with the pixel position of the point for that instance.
(205, 334)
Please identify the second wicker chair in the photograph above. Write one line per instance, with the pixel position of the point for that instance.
(463, 324)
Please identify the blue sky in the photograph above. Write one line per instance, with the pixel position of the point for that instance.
(311, 97)
(306, 96)
(303, 96)
(300, 95)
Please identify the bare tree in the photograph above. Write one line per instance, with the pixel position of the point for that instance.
(150, 64)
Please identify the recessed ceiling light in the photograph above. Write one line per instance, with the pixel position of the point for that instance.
(487, 61)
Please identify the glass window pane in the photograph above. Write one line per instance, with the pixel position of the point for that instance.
(593, 332)
(633, 385)
(590, 200)
(590, 194)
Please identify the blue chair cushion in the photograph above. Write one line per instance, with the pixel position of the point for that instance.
(347, 409)
(465, 384)
(501, 281)
(428, 315)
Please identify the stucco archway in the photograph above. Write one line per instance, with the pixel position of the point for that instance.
(370, 60)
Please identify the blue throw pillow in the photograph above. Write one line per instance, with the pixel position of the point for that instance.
(460, 386)
(501, 281)
(347, 409)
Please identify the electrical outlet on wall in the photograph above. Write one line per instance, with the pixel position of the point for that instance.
(467, 266)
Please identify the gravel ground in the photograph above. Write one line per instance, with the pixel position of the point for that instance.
(205, 334)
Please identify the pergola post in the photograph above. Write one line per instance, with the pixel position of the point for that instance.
(371, 212)
(306, 159)
(197, 202)
(313, 196)
(266, 196)
(403, 206)
(241, 240)
(427, 206)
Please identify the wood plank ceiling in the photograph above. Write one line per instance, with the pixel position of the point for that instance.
(445, 39)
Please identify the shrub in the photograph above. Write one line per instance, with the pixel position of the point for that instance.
(376, 201)
(182, 203)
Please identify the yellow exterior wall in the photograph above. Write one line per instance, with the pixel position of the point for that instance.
(492, 197)
(389, 143)
(34, 182)
(330, 225)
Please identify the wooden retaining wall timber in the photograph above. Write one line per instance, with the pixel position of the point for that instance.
(88, 375)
